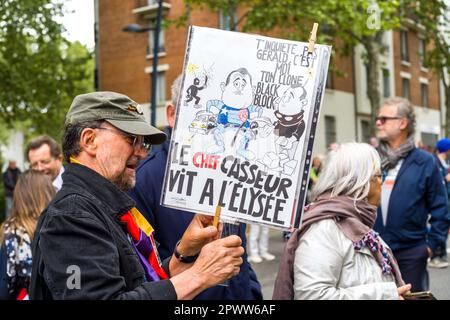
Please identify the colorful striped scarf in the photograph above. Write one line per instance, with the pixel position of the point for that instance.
(372, 241)
(141, 233)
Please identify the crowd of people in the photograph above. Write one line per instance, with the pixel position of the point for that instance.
(376, 214)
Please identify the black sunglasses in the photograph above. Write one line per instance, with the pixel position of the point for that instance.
(383, 119)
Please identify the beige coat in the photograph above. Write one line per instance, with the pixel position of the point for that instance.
(326, 266)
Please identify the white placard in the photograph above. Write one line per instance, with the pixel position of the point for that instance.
(245, 126)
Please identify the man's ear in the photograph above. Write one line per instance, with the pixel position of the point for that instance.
(170, 114)
(403, 123)
(222, 86)
(88, 141)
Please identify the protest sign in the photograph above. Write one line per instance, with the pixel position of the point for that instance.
(245, 126)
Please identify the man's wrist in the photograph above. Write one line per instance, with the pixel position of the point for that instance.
(182, 255)
(189, 284)
(184, 250)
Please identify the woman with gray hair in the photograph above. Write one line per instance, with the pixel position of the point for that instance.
(336, 254)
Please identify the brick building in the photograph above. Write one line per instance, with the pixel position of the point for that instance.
(124, 64)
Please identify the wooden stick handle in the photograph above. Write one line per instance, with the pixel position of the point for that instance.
(313, 37)
(217, 216)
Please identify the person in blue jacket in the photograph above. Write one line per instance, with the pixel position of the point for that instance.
(413, 194)
(170, 224)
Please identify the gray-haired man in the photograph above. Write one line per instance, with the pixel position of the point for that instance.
(412, 194)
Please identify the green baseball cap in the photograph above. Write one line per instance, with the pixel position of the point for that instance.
(115, 108)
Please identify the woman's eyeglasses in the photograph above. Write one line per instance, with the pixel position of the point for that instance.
(136, 141)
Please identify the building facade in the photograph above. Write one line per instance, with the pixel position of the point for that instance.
(124, 64)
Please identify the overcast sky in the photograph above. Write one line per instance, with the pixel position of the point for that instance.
(79, 22)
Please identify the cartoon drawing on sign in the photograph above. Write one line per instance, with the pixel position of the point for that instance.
(193, 90)
(261, 127)
(289, 128)
(234, 111)
(204, 121)
(262, 140)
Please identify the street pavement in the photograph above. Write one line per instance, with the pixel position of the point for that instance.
(267, 271)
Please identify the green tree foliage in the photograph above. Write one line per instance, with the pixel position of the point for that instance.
(40, 71)
(434, 17)
(76, 77)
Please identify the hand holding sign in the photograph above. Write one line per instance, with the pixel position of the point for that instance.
(199, 232)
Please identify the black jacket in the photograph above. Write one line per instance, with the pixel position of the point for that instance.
(80, 234)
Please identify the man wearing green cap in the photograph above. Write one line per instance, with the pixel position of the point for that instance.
(92, 243)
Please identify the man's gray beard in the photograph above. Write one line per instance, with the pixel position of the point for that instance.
(124, 184)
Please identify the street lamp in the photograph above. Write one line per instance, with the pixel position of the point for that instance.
(138, 29)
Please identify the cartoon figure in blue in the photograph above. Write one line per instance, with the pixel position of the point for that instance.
(235, 110)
